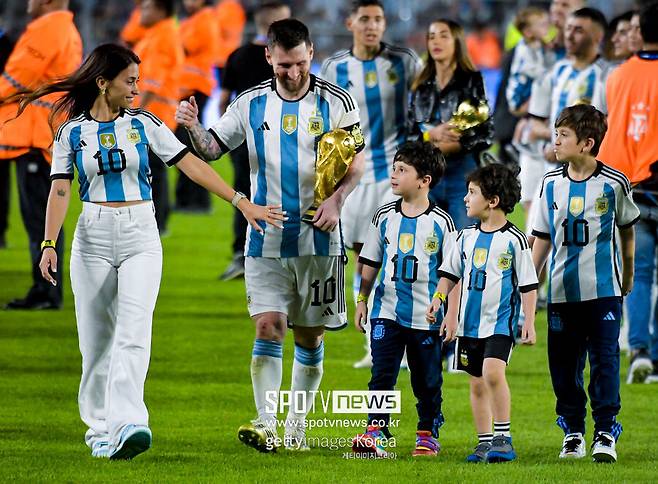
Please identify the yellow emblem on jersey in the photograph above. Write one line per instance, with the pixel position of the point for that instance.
(406, 242)
(357, 134)
(505, 261)
(108, 140)
(133, 136)
(601, 205)
(371, 78)
(463, 358)
(480, 257)
(576, 205)
(393, 77)
(431, 244)
(289, 123)
(315, 125)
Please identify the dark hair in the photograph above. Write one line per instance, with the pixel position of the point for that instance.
(80, 88)
(593, 14)
(586, 121)
(648, 21)
(288, 34)
(270, 5)
(357, 4)
(497, 180)
(624, 17)
(424, 157)
(522, 19)
(169, 6)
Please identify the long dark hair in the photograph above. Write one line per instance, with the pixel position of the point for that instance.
(80, 88)
(461, 53)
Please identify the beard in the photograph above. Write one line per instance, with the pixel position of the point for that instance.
(294, 86)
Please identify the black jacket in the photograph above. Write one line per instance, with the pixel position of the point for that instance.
(433, 106)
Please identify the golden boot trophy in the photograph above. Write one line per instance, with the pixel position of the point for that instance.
(336, 150)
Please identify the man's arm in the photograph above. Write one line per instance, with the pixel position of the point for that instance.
(203, 141)
(627, 241)
(540, 250)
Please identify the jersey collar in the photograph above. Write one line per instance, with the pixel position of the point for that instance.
(398, 209)
(311, 87)
(89, 117)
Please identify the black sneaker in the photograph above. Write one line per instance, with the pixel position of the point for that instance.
(479, 453)
(501, 450)
(641, 366)
(235, 269)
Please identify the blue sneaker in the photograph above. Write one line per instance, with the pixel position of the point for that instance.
(101, 449)
(134, 440)
(479, 453)
(501, 450)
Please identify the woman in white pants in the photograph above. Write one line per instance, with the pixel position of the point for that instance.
(116, 258)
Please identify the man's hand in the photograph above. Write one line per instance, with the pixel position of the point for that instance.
(328, 214)
(528, 334)
(361, 316)
(187, 113)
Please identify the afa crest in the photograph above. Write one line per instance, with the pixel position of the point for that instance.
(108, 140)
(315, 125)
(463, 358)
(576, 205)
(133, 136)
(480, 257)
(406, 242)
(371, 78)
(601, 205)
(378, 331)
(505, 261)
(357, 134)
(289, 123)
(393, 77)
(431, 245)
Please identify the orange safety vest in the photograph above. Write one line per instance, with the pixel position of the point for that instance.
(133, 31)
(230, 19)
(49, 48)
(161, 53)
(200, 37)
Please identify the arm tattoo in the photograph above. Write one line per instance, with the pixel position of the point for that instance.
(204, 143)
(61, 192)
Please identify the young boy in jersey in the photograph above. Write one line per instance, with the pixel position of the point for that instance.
(406, 243)
(493, 261)
(581, 206)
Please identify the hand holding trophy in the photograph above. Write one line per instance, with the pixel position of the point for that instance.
(336, 150)
(467, 116)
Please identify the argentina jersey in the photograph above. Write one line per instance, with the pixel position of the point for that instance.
(580, 218)
(282, 138)
(408, 251)
(494, 268)
(380, 87)
(528, 64)
(112, 158)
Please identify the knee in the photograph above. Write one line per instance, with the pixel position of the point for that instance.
(478, 387)
(269, 328)
(493, 378)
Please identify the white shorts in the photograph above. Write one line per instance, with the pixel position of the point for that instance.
(533, 169)
(309, 289)
(359, 208)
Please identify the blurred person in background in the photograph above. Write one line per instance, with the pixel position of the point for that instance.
(620, 28)
(6, 46)
(133, 31)
(49, 48)
(635, 40)
(231, 19)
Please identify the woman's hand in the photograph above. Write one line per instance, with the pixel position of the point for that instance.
(272, 214)
(444, 133)
(48, 263)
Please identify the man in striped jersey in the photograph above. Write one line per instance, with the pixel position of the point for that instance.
(293, 276)
(378, 76)
(580, 208)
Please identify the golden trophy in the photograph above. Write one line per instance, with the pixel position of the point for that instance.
(336, 150)
(467, 116)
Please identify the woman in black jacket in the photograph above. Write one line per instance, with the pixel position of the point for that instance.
(449, 78)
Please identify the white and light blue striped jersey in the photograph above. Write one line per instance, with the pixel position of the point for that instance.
(111, 158)
(580, 218)
(529, 63)
(282, 138)
(381, 88)
(494, 267)
(409, 252)
(564, 87)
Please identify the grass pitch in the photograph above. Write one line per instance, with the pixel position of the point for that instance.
(199, 391)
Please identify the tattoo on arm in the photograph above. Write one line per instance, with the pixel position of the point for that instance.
(204, 143)
(61, 192)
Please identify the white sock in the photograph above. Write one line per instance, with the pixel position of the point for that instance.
(306, 376)
(266, 371)
(502, 428)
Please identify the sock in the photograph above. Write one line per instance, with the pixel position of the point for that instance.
(502, 428)
(266, 370)
(487, 437)
(306, 376)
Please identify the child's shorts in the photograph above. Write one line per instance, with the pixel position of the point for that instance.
(471, 352)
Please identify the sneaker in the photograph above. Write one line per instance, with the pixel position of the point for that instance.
(603, 448)
(501, 450)
(641, 367)
(234, 270)
(426, 444)
(365, 362)
(260, 436)
(653, 377)
(573, 447)
(101, 449)
(295, 437)
(479, 453)
(134, 440)
(371, 442)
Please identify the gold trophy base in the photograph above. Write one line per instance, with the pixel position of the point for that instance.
(309, 215)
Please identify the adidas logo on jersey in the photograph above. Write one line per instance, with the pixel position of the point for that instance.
(328, 312)
(264, 127)
(609, 317)
(554, 206)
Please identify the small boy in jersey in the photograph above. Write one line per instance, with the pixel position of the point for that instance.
(493, 263)
(581, 206)
(406, 244)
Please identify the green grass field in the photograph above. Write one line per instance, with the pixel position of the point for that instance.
(199, 390)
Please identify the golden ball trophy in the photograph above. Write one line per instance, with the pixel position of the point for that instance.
(467, 116)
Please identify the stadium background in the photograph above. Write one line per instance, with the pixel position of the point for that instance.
(199, 391)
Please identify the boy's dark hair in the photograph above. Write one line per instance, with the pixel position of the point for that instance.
(648, 22)
(596, 16)
(497, 180)
(586, 121)
(288, 34)
(424, 157)
(357, 4)
(168, 6)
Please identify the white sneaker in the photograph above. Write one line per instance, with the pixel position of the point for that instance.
(573, 447)
(365, 362)
(260, 436)
(603, 448)
(641, 367)
(295, 437)
(101, 449)
(134, 440)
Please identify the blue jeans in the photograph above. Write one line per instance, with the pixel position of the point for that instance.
(450, 191)
(639, 300)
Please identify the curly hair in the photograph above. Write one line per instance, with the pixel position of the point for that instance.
(424, 157)
(497, 180)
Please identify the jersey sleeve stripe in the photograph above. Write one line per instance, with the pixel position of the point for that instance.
(448, 275)
(551, 174)
(337, 56)
(263, 85)
(78, 118)
(449, 222)
(381, 211)
(338, 92)
(523, 240)
(61, 176)
(149, 115)
(178, 157)
(369, 262)
(618, 176)
(528, 288)
(222, 147)
(541, 235)
(629, 224)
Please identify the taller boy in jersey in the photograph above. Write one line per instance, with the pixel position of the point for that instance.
(294, 275)
(581, 205)
(379, 76)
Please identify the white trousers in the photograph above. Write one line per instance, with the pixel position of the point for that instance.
(116, 265)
